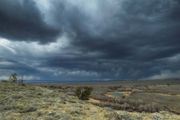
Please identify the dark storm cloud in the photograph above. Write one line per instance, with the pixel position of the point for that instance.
(117, 39)
(21, 20)
(133, 26)
(141, 33)
(14, 66)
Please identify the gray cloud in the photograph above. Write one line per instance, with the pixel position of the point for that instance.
(21, 20)
(117, 39)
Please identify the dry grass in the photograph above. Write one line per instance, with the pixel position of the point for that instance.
(141, 98)
(60, 103)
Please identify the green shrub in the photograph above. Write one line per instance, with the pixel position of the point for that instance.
(83, 93)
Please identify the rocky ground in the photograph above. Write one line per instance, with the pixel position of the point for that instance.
(40, 103)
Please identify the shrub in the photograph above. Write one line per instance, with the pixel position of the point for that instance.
(83, 93)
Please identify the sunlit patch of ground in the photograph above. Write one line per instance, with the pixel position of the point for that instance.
(118, 94)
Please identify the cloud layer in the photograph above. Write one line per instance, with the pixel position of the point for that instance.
(90, 40)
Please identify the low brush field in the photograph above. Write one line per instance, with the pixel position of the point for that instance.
(125, 100)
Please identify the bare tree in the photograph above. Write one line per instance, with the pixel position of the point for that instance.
(13, 78)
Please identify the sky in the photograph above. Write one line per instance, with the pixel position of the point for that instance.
(79, 40)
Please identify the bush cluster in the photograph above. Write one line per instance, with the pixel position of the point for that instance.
(83, 93)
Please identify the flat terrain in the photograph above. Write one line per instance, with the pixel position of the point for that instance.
(126, 100)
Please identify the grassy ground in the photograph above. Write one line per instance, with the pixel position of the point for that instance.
(142, 98)
(59, 103)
